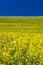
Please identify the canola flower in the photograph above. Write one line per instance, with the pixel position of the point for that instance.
(22, 49)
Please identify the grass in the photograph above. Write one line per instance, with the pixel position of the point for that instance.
(21, 40)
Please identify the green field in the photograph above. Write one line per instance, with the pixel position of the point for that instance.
(21, 40)
(31, 24)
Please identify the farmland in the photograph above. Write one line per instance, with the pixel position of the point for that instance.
(21, 40)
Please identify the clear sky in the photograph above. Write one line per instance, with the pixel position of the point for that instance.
(21, 7)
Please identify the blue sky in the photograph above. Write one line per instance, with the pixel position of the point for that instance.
(21, 7)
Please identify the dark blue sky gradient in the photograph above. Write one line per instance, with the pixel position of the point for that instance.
(21, 7)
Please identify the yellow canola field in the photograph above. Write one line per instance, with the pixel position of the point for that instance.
(19, 48)
(21, 40)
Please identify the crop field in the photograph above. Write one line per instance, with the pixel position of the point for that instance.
(21, 40)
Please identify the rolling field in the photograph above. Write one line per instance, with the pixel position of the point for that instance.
(21, 40)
